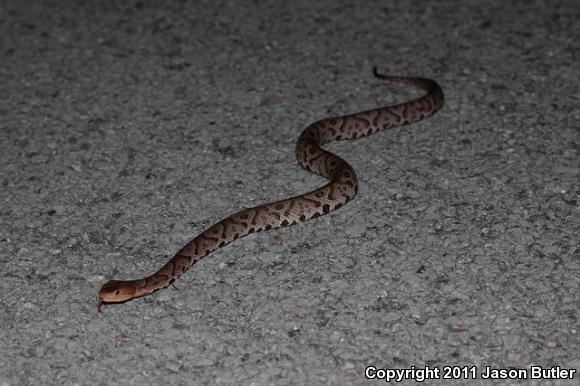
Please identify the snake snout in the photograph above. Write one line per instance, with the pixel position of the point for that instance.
(116, 291)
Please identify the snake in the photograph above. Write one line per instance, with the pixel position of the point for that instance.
(342, 187)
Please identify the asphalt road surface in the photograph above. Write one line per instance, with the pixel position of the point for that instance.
(127, 128)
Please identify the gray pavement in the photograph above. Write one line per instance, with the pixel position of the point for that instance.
(126, 128)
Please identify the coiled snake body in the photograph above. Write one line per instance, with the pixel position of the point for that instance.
(340, 190)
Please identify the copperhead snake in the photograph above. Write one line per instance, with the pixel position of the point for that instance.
(341, 189)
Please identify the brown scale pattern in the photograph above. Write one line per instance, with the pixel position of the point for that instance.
(341, 189)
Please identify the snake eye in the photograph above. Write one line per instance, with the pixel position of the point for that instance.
(117, 292)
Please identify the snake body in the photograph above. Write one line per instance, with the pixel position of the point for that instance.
(341, 189)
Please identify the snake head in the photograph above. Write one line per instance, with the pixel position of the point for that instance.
(115, 291)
